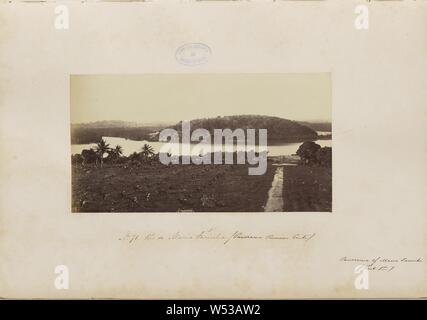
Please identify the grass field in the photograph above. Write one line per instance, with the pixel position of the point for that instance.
(159, 188)
(307, 188)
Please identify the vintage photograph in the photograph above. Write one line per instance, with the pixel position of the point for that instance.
(213, 151)
(201, 143)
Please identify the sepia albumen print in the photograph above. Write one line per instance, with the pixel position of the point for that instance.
(201, 143)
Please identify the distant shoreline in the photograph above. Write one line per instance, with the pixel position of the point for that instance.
(272, 142)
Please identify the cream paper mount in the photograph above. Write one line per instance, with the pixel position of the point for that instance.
(359, 65)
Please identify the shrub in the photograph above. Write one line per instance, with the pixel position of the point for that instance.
(307, 152)
(324, 156)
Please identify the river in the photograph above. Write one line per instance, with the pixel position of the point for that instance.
(131, 146)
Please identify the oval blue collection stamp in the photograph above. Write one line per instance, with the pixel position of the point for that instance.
(193, 54)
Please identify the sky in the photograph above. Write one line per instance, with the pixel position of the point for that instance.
(170, 98)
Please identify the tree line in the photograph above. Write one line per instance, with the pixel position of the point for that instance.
(309, 152)
(102, 152)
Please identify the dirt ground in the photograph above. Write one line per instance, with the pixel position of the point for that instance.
(159, 188)
(307, 188)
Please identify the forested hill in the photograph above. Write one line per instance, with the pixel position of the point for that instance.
(93, 132)
(278, 129)
(318, 126)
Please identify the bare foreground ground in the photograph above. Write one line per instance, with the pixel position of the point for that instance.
(159, 188)
(199, 188)
(307, 189)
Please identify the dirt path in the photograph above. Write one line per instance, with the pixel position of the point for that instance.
(275, 194)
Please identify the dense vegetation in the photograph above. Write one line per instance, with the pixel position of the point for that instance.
(279, 130)
(93, 132)
(103, 153)
(312, 154)
(318, 126)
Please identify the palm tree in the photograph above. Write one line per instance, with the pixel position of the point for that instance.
(118, 151)
(147, 152)
(115, 154)
(101, 148)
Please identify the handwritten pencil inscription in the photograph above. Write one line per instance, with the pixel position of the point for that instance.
(212, 234)
(379, 263)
